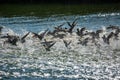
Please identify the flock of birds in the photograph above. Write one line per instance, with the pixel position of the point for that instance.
(83, 36)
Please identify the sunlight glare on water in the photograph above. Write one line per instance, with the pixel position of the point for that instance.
(31, 61)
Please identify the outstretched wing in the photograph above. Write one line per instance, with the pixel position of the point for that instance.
(60, 25)
(51, 45)
(25, 36)
(43, 34)
(74, 22)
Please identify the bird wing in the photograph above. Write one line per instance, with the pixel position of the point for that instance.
(74, 22)
(43, 34)
(51, 45)
(25, 36)
(61, 25)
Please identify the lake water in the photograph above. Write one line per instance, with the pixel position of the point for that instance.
(31, 62)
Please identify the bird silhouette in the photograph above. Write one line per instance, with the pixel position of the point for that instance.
(67, 43)
(11, 39)
(48, 44)
(23, 38)
(72, 25)
(40, 36)
(107, 39)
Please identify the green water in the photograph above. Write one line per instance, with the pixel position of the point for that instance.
(42, 10)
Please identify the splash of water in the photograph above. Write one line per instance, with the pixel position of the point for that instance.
(30, 60)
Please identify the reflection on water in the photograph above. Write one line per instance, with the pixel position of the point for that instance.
(31, 61)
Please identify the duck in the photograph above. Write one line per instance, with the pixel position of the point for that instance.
(41, 35)
(67, 43)
(48, 44)
(72, 25)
